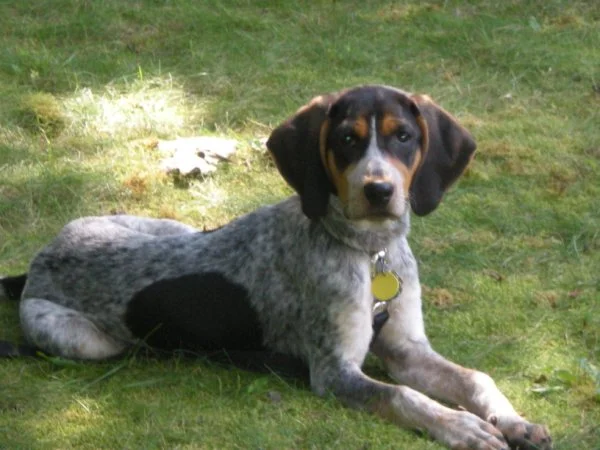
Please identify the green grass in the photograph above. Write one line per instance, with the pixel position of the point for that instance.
(510, 261)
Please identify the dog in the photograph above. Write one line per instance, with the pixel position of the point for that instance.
(325, 276)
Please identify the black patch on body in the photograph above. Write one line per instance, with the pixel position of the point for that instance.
(13, 286)
(195, 312)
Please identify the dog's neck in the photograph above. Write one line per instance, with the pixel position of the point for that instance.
(363, 235)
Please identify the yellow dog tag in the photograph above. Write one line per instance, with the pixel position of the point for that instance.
(385, 286)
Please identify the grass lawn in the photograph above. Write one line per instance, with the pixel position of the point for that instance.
(510, 261)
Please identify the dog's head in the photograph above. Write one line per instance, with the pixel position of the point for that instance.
(377, 148)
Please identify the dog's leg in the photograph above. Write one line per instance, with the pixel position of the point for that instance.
(65, 332)
(411, 361)
(408, 408)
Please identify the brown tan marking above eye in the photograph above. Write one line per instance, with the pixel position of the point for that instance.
(389, 125)
(361, 127)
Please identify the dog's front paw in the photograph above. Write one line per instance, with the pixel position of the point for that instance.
(462, 430)
(522, 435)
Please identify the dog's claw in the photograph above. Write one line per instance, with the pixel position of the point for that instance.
(522, 435)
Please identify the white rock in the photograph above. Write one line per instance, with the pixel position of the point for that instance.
(195, 155)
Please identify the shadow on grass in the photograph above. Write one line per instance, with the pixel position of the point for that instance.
(37, 199)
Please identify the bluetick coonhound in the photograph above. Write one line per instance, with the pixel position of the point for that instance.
(297, 278)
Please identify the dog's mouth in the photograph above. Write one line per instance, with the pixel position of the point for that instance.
(365, 213)
(378, 216)
(393, 211)
(375, 215)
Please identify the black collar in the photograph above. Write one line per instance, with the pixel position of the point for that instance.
(379, 321)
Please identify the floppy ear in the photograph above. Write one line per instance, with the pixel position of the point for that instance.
(450, 149)
(295, 146)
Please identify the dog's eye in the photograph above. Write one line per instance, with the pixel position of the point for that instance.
(349, 139)
(403, 136)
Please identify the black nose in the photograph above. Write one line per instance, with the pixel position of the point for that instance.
(379, 193)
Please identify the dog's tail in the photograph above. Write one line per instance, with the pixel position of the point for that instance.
(12, 287)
